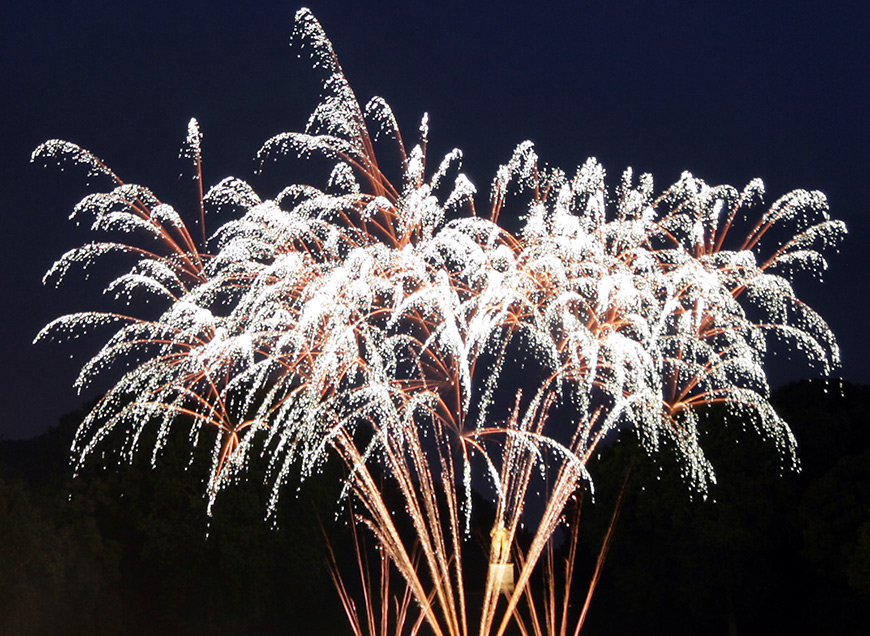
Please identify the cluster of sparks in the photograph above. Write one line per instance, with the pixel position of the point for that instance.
(377, 321)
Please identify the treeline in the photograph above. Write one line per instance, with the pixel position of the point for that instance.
(129, 549)
(770, 550)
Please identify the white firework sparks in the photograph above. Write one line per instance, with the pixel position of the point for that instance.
(376, 321)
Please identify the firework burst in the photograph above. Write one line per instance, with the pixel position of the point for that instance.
(380, 321)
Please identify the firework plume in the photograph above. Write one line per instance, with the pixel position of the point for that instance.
(380, 321)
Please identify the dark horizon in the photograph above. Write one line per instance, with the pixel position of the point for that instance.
(128, 548)
(728, 92)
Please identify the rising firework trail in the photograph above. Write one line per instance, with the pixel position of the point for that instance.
(379, 322)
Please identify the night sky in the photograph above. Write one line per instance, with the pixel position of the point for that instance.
(728, 90)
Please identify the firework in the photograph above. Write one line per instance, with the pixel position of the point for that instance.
(379, 322)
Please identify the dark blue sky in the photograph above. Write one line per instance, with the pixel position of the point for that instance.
(729, 90)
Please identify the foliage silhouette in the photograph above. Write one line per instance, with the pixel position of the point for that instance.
(130, 549)
(121, 549)
(756, 556)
